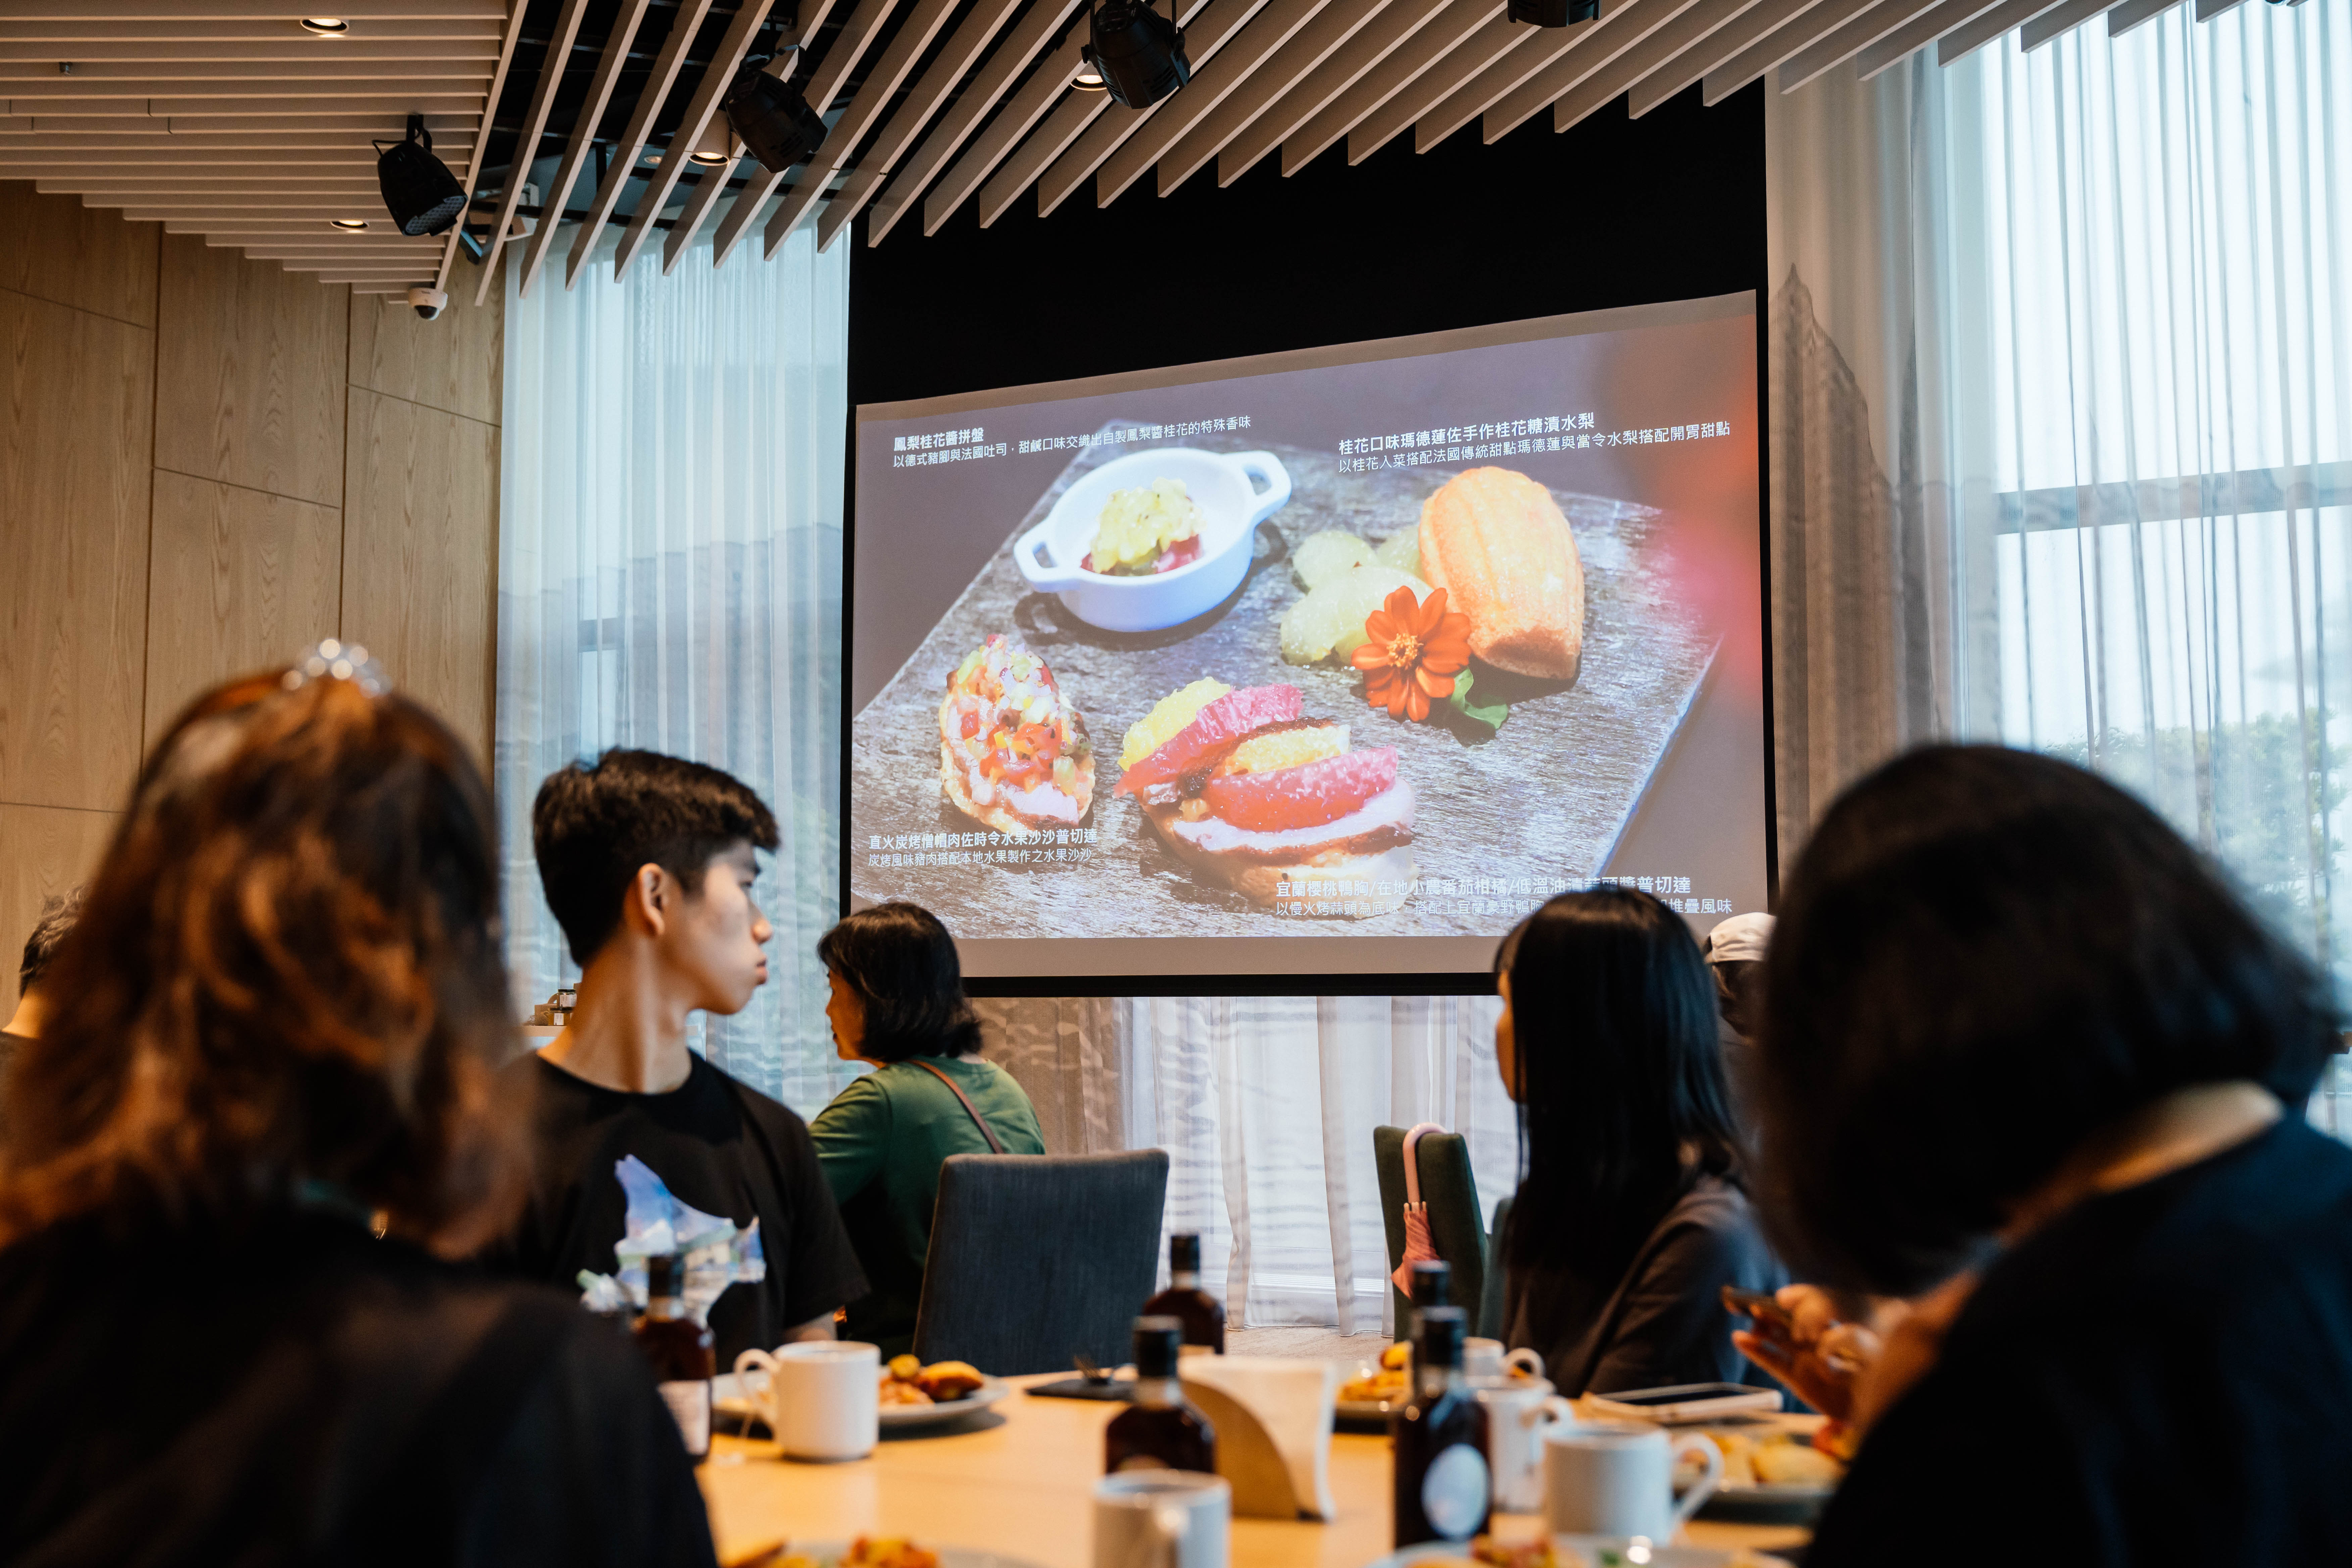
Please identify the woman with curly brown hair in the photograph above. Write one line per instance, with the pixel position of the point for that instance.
(279, 1022)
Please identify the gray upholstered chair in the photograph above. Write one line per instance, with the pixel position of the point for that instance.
(1036, 1258)
(1456, 1226)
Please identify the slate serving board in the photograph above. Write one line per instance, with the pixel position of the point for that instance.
(1544, 798)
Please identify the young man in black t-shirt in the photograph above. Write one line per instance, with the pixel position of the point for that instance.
(647, 861)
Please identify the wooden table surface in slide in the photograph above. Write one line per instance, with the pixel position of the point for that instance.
(1018, 1481)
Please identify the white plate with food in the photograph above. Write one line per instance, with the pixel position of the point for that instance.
(1150, 540)
(1575, 1552)
(1770, 1469)
(866, 1552)
(912, 1394)
(1376, 1388)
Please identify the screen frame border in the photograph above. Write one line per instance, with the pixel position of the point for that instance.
(1753, 302)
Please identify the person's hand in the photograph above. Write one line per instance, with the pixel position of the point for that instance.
(1823, 1356)
(1914, 1339)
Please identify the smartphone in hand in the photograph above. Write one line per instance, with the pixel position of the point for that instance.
(1771, 1320)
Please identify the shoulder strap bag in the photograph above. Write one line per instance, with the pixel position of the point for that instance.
(979, 1120)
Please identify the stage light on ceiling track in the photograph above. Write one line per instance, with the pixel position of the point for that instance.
(768, 113)
(1554, 13)
(326, 27)
(419, 191)
(347, 225)
(1138, 53)
(715, 146)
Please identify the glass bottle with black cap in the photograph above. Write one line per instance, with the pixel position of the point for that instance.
(680, 1350)
(1159, 1429)
(1443, 1487)
(1203, 1315)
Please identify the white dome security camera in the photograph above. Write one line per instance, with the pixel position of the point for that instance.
(428, 302)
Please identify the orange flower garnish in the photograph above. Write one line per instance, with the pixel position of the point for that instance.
(1411, 653)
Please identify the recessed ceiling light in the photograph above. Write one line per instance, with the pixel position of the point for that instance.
(347, 225)
(326, 27)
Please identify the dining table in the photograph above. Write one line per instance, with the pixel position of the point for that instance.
(1016, 1481)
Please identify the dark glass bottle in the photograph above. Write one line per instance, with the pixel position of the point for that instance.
(1203, 1315)
(680, 1350)
(1443, 1486)
(1432, 1282)
(1159, 1430)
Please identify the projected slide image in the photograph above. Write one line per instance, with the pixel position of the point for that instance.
(1223, 673)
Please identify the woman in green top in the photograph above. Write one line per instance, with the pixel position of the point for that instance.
(899, 1002)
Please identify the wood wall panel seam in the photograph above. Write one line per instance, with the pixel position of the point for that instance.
(84, 310)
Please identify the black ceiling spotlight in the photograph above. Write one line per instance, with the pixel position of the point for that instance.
(1138, 52)
(1554, 13)
(419, 191)
(771, 118)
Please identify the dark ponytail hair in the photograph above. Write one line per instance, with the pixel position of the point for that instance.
(902, 963)
(1621, 1086)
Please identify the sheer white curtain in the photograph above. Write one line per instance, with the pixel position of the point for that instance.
(1266, 1107)
(2062, 426)
(2171, 425)
(669, 577)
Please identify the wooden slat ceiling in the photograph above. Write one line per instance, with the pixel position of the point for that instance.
(224, 118)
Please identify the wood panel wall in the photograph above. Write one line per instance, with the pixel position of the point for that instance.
(206, 464)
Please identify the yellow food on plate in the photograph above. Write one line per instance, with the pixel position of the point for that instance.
(1772, 1457)
(1138, 525)
(1497, 543)
(904, 1367)
(1388, 1382)
(1796, 1464)
(887, 1552)
(897, 1392)
(1489, 1552)
(1285, 749)
(1169, 715)
(1323, 556)
(1402, 550)
(1376, 1389)
(1328, 623)
(945, 1379)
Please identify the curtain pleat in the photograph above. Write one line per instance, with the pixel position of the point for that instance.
(670, 578)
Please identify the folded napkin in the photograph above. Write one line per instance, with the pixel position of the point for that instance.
(1273, 1417)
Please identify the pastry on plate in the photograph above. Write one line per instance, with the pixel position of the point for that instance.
(1013, 753)
(1497, 543)
(1246, 791)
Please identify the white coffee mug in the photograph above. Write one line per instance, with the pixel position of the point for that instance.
(1161, 1518)
(1518, 1413)
(1483, 1359)
(822, 1398)
(1617, 1478)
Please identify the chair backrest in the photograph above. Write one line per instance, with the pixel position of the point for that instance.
(1491, 1304)
(1456, 1226)
(1037, 1258)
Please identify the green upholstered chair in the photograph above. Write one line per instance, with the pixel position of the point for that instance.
(1456, 1226)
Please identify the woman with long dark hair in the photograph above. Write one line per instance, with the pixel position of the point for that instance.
(1632, 1212)
(2029, 1063)
(264, 1112)
(898, 1003)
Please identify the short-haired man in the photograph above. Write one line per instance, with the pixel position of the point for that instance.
(648, 862)
(58, 912)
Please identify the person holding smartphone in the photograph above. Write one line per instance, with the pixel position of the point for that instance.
(2029, 1069)
(1632, 1212)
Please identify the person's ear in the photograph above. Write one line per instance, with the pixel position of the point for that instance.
(650, 900)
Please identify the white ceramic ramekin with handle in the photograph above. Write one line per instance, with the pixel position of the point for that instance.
(1223, 484)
